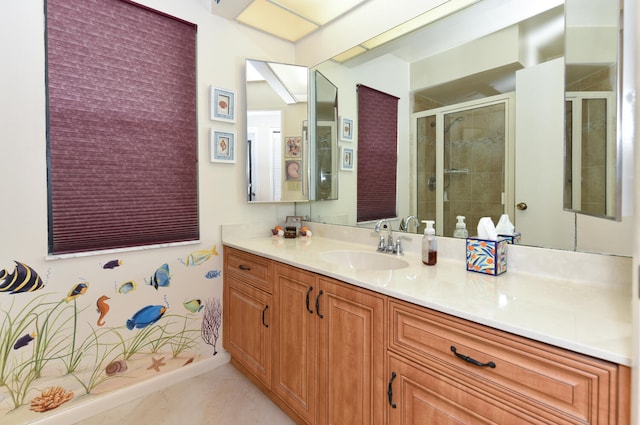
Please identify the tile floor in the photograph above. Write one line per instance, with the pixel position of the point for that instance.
(220, 397)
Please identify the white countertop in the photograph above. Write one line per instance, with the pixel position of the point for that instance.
(590, 319)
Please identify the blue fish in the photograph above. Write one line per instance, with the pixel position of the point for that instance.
(161, 277)
(24, 340)
(127, 287)
(212, 274)
(146, 316)
(112, 264)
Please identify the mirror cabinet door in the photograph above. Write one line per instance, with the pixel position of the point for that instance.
(277, 116)
(325, 140)
(592, 160)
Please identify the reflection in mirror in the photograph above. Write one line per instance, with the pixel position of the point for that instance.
(471, 165)
(325, 166)
(504, 51)
(277, 145)
(592, 184)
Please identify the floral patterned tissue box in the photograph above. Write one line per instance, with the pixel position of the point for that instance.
(487, 256)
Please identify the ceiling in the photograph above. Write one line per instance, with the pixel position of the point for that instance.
(290, 20)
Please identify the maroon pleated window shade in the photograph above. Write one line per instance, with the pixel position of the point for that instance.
(122, 132)
(377, 154)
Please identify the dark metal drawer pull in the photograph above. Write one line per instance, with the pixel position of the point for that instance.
(243, 267)
(308, 293)
(390, 390)
(470, 360)
(318, 304)
(263, 312)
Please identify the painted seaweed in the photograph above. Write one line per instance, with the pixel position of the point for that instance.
(211, 321)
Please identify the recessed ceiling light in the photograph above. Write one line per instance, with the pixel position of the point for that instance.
(268, 17)
(318, 11)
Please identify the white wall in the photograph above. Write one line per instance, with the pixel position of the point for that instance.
(222, 49)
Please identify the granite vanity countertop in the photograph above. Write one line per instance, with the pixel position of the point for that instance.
(590, 319)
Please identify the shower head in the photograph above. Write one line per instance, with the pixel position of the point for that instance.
(460, 118)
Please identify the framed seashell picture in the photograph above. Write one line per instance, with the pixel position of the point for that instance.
(223, 104)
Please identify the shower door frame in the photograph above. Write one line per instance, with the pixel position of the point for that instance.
(508, 196)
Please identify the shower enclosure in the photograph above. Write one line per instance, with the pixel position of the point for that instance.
(464, 162)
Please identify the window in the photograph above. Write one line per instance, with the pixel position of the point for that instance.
(122, 130)
(377, 154)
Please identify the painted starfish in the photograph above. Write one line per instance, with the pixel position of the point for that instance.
(156, 363)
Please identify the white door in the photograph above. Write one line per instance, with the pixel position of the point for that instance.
(539, 213)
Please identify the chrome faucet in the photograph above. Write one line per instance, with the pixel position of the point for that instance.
(404, 224)
(388, 245)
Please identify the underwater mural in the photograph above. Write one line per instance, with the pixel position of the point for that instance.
(23, 279)
(102, 309)
(63, 342)
(161, 277)
(197, 258)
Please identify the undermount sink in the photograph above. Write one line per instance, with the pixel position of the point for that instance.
(363, 260)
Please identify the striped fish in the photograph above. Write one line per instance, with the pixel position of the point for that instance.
(23, 279)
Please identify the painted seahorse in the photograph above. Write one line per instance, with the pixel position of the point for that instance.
(103, 308)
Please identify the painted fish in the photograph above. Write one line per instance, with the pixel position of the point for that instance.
(77, 290)
(127, 287)
(24, 340)
(198, 257)
(212, 274)
(161, 277)
(103, 308)
(23, 279)
(112, 264)
(146, 316)
(193, 306)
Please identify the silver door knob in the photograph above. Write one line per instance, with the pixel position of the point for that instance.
(521, 206)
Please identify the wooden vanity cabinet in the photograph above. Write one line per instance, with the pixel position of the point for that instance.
(295, 338)
(328, 357)
(247, 312)
(446, 370)
(331, 353)
(351, 355)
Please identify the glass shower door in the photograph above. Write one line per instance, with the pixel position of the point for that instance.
(461, 165)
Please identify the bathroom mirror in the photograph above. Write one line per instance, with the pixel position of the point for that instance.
(489, 47)
(324, 166)
(277, 137)
(592, 144)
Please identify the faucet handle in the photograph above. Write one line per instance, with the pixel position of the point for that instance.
(398, 247)
(382, 246)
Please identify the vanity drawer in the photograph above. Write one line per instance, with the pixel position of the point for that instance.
(558, 385)
(253, 269)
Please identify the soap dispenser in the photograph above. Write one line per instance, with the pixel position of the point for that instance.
(461, 228)
(429, 244)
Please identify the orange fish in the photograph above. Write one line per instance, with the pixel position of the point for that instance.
(103, 308)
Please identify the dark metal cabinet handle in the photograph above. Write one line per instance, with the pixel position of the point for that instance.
(263, 313)
(308, 293)
(470, 360)
(390, 390)
(243, 267)
(318, 304)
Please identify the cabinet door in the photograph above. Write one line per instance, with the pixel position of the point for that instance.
(246, 322)
(295, 340)
(351, 355)
(425, 395)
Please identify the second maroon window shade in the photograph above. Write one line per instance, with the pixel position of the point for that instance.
(377, 154)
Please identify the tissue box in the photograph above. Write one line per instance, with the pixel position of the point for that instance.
(512, 239)
(487, 256)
